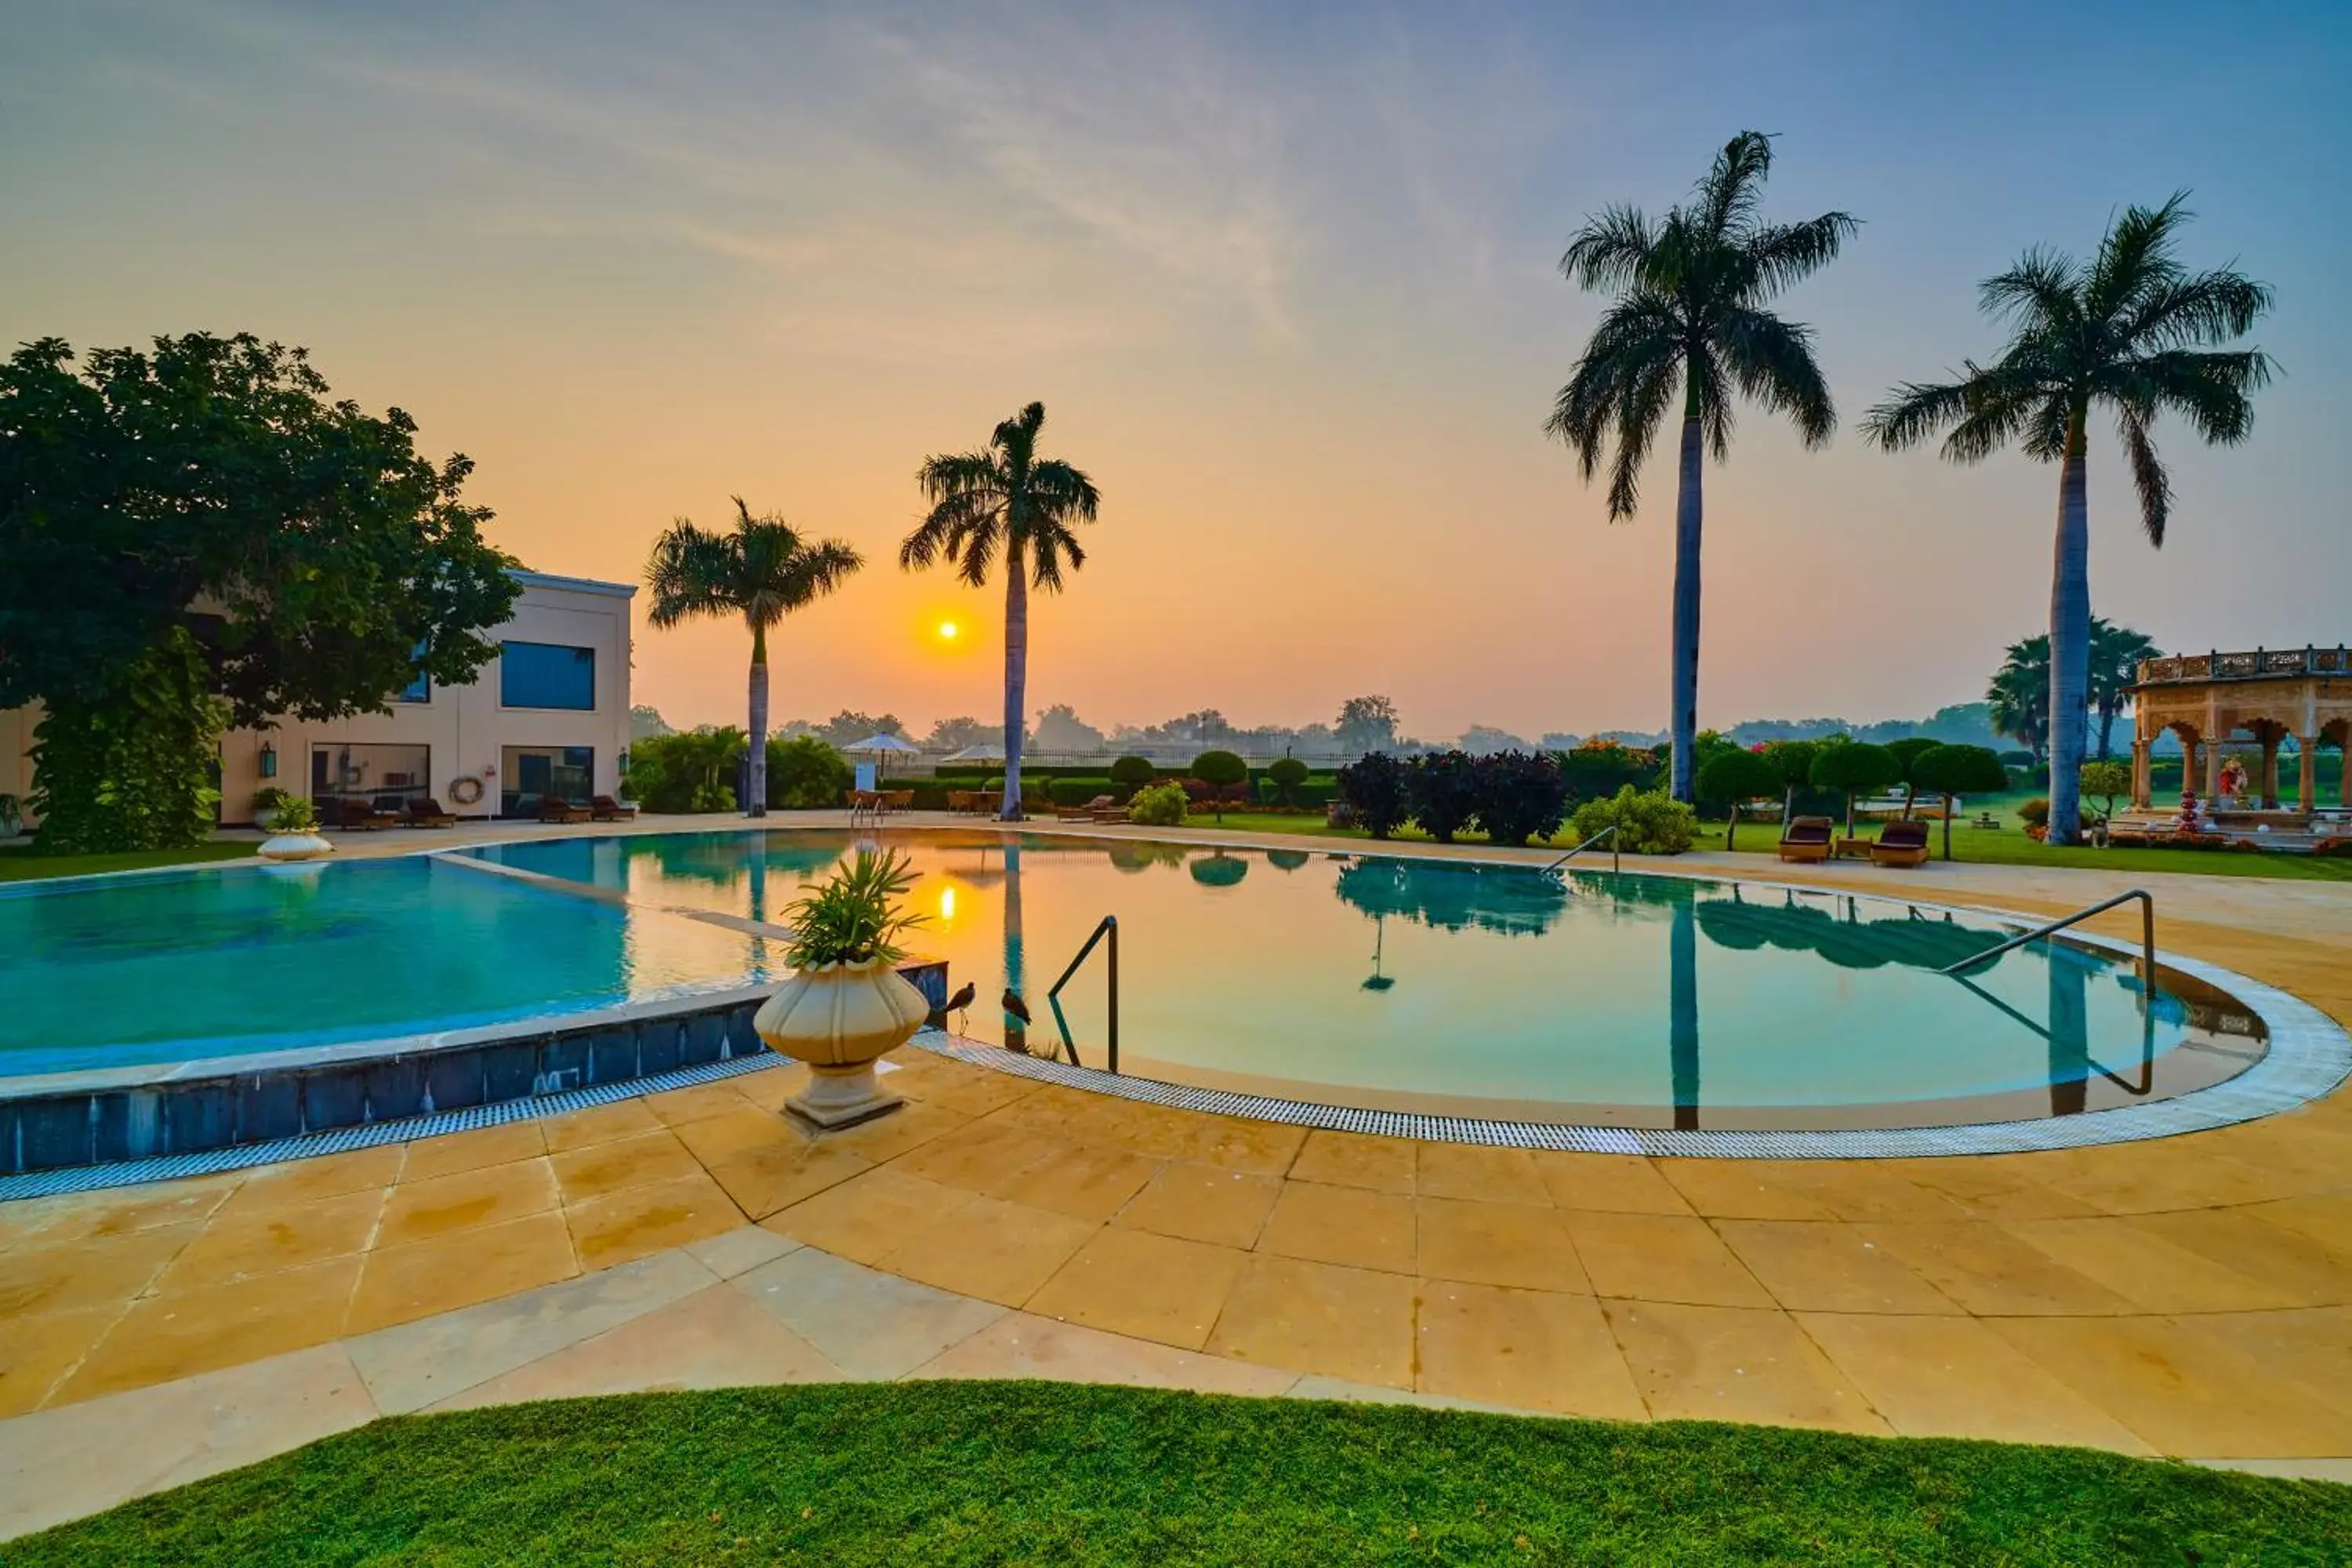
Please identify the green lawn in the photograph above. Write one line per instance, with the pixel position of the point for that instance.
(25, 862)
(943, 1473)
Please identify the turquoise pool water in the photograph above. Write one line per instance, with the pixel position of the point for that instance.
(1390, 984)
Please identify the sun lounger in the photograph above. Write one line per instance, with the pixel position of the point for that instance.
(426, 812)
(555, 808)
(1901, 843)
(1806, 838)
(604, 809)
(1090, 812)
(356, 814)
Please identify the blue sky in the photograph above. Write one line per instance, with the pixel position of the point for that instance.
(1284, 277)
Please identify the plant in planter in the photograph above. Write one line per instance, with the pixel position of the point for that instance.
(294, 832)
(268, 801)
(846, 1005)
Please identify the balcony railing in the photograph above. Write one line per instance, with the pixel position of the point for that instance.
(2262, 664)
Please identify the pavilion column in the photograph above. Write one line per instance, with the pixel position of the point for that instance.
(2307, 783)
(2269, 770)
(2142, 785)
(2212, 768)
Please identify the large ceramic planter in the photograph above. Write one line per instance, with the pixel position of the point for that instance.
(294, 846)
(839, 1019)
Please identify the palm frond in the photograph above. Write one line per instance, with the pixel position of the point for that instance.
(1635, 335)
(1726, 199)
(2149, 478)
(1994, 413)
(1610, 251)
(2040, 291)
(2189, 311)
(2134, 258)
(1716, 414)
(2047, 426)
(1772, 362)
(1638, 412)
(1914, 411)
(690, 574)
(1780, 255)
(2209, 388)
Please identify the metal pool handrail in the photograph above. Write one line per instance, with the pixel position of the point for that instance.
(1616, 859)
(2146, 936)
(1108, 926)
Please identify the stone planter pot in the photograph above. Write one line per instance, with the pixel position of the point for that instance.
(839, 1019)
(294, 846)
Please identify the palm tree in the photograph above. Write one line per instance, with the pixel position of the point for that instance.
(1005, 500)
(1689, 318)
(2116, 653)
(763, 571)
(2132, 331)
(2019, 695)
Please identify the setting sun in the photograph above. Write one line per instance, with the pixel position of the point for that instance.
(948, 630)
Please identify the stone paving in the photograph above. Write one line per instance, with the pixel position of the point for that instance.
(2191, 1296)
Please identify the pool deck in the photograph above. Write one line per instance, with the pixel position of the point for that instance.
(2189, 1297)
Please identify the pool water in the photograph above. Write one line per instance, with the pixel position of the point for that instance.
(1488, 990)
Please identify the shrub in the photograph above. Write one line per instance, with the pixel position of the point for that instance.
(689, 771)
(1159, 806)
(2035, 813)
(1736, 778)
(1599, 767)
(1852, 768)
(1222, 771)
(1079, 791)
(1374, 788)
(805, 773)
(1133, 772)
(1520, 796)
(132, 768)
(1444, 789)
(2107, 780)
(1648, 822)
(1286, 774)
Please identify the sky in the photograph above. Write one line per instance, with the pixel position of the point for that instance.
(1285, 279)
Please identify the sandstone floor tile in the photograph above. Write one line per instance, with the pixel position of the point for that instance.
(1955, 1377)
(599, 1124)
(326, 1176)
(764, 1179)
(743, 1130)
(1022, 1345)
(456, 1151)
(400, 1284)
(37, 1350)
(1353, 1323)
(102, 1216)
(867, 1217)
(1498, 1243)
(1660, 1257)
(602, 1169)
(1987, 1189)
(869, 1323)
(64, 1463)
(998, 1251)
(1864, 1190)
(233, 1248)
(1203, 1202)
(1992, 1273)
(163, 1338)
(888, 1137)
(2300, 1268)
(422, 1362)
(1143, 1285)
(1734, 1364)
(1811, 1266)
(2183, 1393)
(974, 1091)
(1350, 1226)
(1627, 1183)
(89, 1272)
(441, 1206)
(1260, 1148)
(1477, 1173)
(635, 1221)
(1530, 1349)
(2145, 1269)
(979, 1154)
(769, 1087)
(1356, 1160)
(716, 1338)
(676, 1107)
(2308, 1348)
(1743, 1189)
(738, 1251)
(1083, 1182)
(2326, 1220)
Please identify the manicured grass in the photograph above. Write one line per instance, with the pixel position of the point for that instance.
(25, 862)
(979, 1473)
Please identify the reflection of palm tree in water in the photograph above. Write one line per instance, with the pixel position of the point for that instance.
(1016, 1033)
(757, 866)
(2070, 1045)
(1682, 1007)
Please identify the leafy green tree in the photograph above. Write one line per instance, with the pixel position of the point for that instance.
(1907, 753)
(2109, 780)
(1793, 760)
(1737, 776)
(804, 773)
(1952, 771)
(132, 768)
(1220, 771)
(2019, 697)
(1690, 321)
(1852, 768)
(1005, 500)
(2133, 331)
(1133, 773)
(763, 571)
(1367, 725)
(1287, 774)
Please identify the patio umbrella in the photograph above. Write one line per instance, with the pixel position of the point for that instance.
(881, 747)
(985, 752)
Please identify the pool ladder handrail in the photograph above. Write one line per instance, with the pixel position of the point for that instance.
(1107, 927)
(2146, 936)
(1616, 856)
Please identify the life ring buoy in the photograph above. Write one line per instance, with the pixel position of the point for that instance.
(466, 792)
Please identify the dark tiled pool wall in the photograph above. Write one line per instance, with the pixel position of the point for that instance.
(41, 1132)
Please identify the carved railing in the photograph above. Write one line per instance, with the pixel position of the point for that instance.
(2259, 665)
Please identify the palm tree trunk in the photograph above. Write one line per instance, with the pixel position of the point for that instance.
(1016, 676)
(1684, 724)
(2070, 641)
(758, 805)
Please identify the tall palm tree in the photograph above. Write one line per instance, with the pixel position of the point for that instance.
(2133, 330)
(1689, 318)
(2019, 695)
(2116, 653)
(763, 571)
(1005, 500)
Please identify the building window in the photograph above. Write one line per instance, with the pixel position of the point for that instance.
(547, 675)
(529, 775)
(387, 778)
(419, 689)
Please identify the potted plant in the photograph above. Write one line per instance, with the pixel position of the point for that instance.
(294, 832)
(846, 1005)
(11, 816)
(268, 801)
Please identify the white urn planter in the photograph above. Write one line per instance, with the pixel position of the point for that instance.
(294, 846)
(839, 1019)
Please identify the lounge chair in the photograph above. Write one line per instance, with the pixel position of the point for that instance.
(1806, 838)
(1901, 843)
(555, 808)
(355, 815)
(604, 809)
(424, 811)
(1090, 812)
